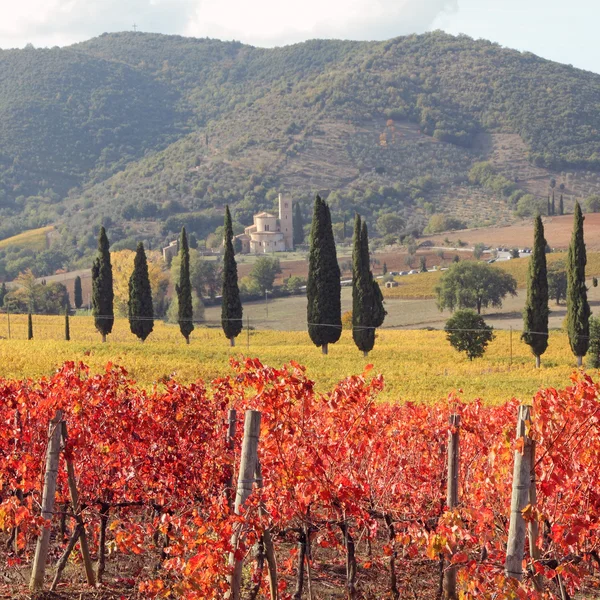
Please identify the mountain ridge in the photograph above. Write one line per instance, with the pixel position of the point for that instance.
(150, 131)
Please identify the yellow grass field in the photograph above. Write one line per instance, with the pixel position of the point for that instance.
(34, 239)
(417, 365)
(422, 285)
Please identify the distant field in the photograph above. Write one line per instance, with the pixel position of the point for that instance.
(34, 239)
(557, 231)
(417, 365)
(422, 285)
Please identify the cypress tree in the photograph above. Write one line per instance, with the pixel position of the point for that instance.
(3, 292)
(102, 288)
(67, 326)
(578, 309)
(298, 226)
(77, 293)
(561, 206)
(29, 327)
(184, 290)
(367, 299)
(323, 288)
(141, 311)
(535, 314)
(548, 207)
(553, 204)
(231, 307)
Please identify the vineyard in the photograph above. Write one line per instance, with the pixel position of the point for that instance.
(347, 498)
(417, 365)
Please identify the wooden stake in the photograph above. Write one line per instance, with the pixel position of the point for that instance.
(232, 420)
(449, 585)
(62, 563)
(85, 551)
(533, 525)
(520, 498)
(246, 480)
(36, 583)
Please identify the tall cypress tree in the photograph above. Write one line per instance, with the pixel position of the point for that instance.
(535, 314)
(578, 309)
(231, 307)
(184, 290)
(102, 288)
(67, 326)
(141, 311)
(548, 207)
(3, 292)
(298, 226)
(323, 288)
(561, 206)
(553, 204)
(367, 299)
(77, 293)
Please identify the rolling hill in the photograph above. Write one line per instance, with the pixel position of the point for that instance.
(147, 132)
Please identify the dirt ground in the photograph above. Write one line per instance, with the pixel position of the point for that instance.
(557, 231)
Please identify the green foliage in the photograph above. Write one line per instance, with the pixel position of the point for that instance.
(535, 313)
(557, 282)
(77, 293)
(294, 283)
(231, 305)
(390, 224)
(323, 288)
(183, 289)
(102, 288)
(468, 332)
(478, 251)
(140, 308)
(367, 301)
(477, 285)
(197, 310)
(578, 308)
(264, 271)
(593, 355)
(439, 222)
(561, 206)
(592, 204)
(3, 292)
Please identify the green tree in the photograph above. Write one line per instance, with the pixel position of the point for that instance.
(183, 288)
(390, 224)
(557, 282)
(77, 293)
(3, 292)
(367, 301)
(423, 261)
(592, 204)
(475, 285)
(264, 271)
(593, 354)
(535, 314)
(478, 251)
(384, 269)
(298, 226)
(102, 288)
(323, 288)
(29, 326)
(578, 309)
(141, 309)
(468, 332)
(561, 206)
(67, 326)
(553, 205)
(231, 307)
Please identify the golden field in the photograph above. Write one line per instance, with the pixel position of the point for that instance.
(417, 365)
(422, 285)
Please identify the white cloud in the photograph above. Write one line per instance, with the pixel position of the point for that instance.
(259, 22)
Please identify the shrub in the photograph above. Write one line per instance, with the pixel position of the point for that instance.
(469, 333)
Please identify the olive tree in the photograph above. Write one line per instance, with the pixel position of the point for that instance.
(469, 333)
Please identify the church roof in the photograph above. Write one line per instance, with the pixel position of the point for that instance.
(266, 214)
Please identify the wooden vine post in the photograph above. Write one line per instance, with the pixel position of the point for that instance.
(246, 480)
(452, 496)
(36, 583)
(521, 488)
(231, 425)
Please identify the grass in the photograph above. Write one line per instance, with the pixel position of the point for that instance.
(34, 239)
(422, 285)
(416, 365)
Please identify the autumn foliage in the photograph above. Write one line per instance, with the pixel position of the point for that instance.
(337, 468)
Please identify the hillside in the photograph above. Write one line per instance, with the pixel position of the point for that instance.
(149, 132)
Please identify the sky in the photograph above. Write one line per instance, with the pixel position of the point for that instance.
(555, 29)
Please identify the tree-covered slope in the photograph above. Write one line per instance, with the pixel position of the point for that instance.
(157, 131)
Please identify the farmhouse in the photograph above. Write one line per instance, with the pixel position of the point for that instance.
(270, 233)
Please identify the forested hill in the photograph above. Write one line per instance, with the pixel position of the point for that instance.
(154, 131)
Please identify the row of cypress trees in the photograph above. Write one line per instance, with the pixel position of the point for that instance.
(536, 312)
